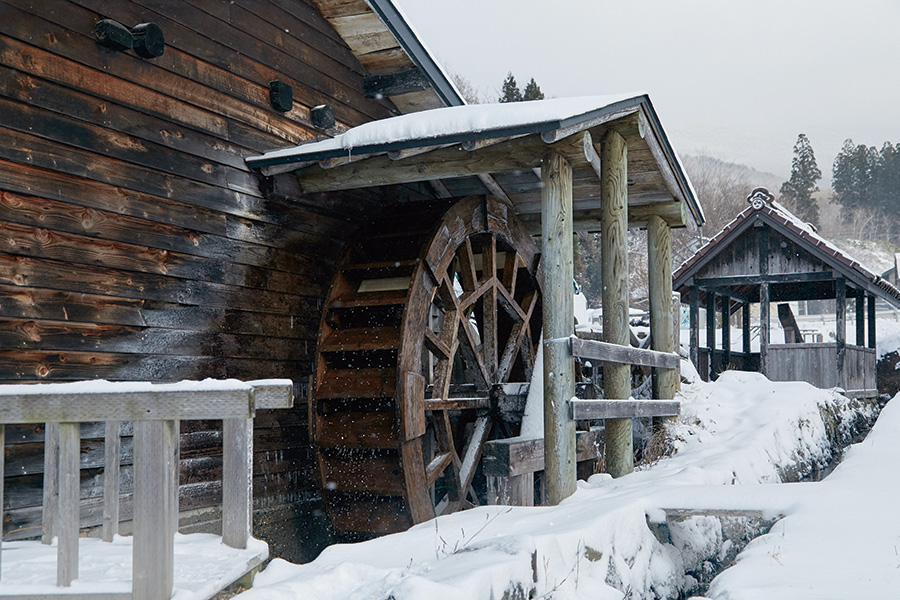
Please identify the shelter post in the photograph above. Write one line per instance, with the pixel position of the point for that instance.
(726, 331)
(764, 328)
(694, 299)
(840, 318)
(745, 329)
(871, 311)
(662, 316)
(860, 318)
(559, 319)
(614, 259)
(711, 331)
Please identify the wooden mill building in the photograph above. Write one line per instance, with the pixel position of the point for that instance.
(151, 233)
(767, 255)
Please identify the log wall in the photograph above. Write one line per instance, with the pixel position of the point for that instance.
(135, 244)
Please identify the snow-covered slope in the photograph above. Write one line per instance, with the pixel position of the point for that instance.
(735, 436)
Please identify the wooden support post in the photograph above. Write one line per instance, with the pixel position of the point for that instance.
(517, 490)
(763, 250)
(871, 311)
(112, 445)
(745, 327)
(50, 510)
(155, 462)
(861, 319)
(840, 318)
(237, 481)
(69, 492)
(614, 274)
(662, 319)
(764, 328)
(726, 331)
(676, 335)
(711, 333)
(559, 323)
(694, 293)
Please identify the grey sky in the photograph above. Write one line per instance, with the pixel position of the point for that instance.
(734, 79)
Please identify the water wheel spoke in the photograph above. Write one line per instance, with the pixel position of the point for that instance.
(466, 266)
(436, 345)
(436, 467)
(510, 270)
(473, 450)
(511, 350)
(489, 335)
(489, 259)
(468, 346)
(509, 304)
(443, 434)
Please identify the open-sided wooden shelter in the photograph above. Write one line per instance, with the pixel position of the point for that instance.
(767, 255)
(139, 245)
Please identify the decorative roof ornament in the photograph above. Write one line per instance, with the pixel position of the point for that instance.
(759, 198)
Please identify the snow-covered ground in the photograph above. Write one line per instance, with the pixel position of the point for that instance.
(736, 440)
(203, 566)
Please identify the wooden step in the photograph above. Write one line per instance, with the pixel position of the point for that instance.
(356, 513)
(358, 383)
(357, 430)
(405, 266)
(362, 338)
(362, 471)
(366, 299)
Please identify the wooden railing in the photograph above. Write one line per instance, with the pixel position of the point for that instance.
(156, 411)
(510, 464)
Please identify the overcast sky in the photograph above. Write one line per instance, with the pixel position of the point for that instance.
(734, 79)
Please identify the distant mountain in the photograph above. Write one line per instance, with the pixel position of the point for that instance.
(734, 171)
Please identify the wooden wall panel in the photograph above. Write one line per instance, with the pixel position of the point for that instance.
(136, 245)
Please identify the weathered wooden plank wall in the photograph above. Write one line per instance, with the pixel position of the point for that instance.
(135, 244)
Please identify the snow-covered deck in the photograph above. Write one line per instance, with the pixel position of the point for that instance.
(203, 567)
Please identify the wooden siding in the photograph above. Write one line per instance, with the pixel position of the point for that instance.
(741, 257)
(135, 244)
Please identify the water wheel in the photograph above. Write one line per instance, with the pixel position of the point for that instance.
(425, 333)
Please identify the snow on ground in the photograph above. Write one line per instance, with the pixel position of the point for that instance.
(203, 566)
(842, 537)
(736, 439)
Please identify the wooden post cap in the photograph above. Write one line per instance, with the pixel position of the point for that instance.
(149, 41)
(113, 34)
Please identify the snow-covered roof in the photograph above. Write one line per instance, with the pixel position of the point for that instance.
(763, 204)
(454, 124)
(502, 146)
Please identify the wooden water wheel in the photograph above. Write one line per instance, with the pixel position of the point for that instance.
(425, 332)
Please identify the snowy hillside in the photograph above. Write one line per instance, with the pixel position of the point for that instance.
(734, 434)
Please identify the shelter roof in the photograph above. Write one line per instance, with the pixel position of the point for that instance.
(502, 145)
(765, 210)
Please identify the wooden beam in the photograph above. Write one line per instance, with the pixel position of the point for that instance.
(623, 355)
(517, 456)
(394, 84)
(586, 410)
(523, 153)
(558, 319)
(614, 258)
(757, 279)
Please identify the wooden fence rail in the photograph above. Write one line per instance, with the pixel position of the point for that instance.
(155, 411)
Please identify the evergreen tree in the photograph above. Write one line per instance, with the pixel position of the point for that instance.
(886, 180)
(533, 91)
(853, 173)
(799, 189)
(510, 91)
